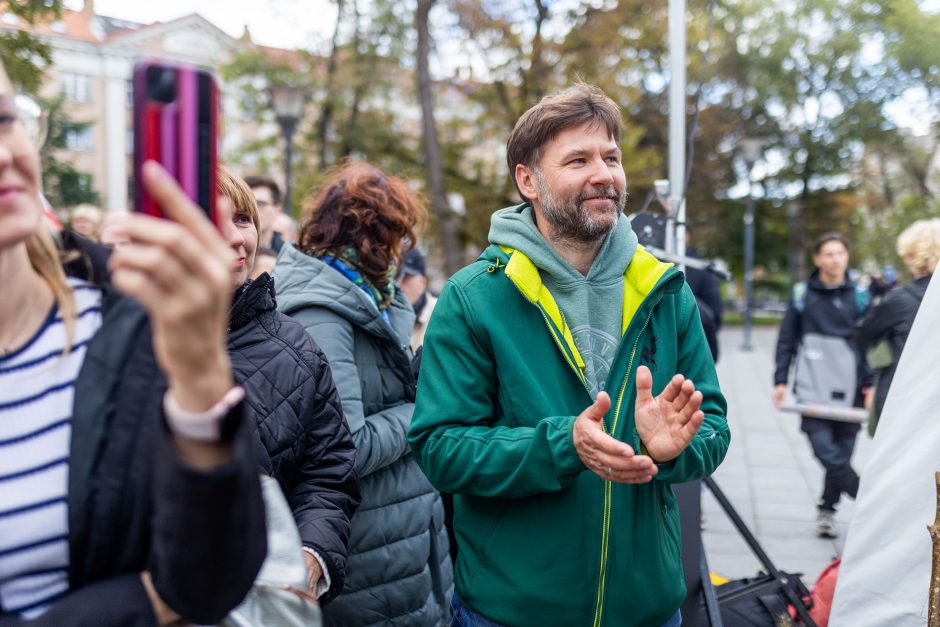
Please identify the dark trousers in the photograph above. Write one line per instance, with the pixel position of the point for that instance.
(833, 443)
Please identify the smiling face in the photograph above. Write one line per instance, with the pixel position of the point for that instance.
(20, 209)
(578, 188)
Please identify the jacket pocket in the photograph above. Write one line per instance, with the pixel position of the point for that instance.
(672, 536)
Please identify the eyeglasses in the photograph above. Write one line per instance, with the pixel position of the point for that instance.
(26, 113)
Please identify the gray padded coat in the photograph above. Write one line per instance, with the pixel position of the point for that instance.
(398, 571)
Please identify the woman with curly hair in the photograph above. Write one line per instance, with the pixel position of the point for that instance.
(339, 284)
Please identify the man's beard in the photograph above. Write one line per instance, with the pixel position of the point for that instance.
(569, 221)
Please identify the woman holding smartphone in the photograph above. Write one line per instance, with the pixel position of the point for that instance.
(128, 487)
(338, 283)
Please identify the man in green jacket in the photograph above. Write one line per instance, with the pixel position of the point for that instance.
(556, 399)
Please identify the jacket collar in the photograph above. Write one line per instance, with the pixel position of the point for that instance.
(644, 275)
(251, 300)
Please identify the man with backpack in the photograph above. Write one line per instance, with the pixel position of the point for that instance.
(817, 330)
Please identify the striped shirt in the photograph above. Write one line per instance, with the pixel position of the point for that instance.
(37, 387)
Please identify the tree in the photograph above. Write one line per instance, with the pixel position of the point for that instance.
(25, 55)
(63, 185)
(447, 222)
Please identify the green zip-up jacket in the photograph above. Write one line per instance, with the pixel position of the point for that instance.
(542, 540)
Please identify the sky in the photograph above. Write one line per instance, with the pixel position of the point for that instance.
(280, 23)
(309, 24)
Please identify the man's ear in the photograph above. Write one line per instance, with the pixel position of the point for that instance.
(525, 181)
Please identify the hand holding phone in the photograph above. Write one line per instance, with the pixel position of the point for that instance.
(175, 124)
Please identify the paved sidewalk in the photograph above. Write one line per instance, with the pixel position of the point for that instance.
(769, 474)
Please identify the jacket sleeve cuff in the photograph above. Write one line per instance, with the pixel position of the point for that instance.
(325, 581)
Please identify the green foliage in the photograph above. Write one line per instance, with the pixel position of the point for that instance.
(877, 233)
(63, 185)
(24, 55)
(812, 78)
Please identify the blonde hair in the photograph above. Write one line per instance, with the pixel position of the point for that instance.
(89, 212)
(919, 246)
(243, 201)
(45, 257)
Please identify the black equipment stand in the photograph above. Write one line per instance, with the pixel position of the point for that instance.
(705, 594)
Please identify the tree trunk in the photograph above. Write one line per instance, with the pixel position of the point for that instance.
(534, 83)
(933, 606)
(350, 137)
(448, 225)
(326, 115)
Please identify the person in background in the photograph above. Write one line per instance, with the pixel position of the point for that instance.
(305, 442)
(707, 293)
(111, 234)
(890, 320)
(285, 227)
(339, 284)
(267, 195)
(817, 335)
(264, 262)
(129, 492)
(413, 281)
(86, 221)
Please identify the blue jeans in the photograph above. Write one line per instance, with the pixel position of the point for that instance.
(833, 443)
(463, 616)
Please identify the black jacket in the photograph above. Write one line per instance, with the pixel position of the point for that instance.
(304, 441)
(134, 505)
(891, 320)
(825, 311)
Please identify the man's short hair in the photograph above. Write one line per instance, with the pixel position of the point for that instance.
(825, 238)
(577, 105)
(265, 181)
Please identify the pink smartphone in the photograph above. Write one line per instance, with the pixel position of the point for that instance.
(176, 119)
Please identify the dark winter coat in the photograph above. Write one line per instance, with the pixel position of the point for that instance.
(399, 570)
(305, 442)
(134, 505)
(891, 320)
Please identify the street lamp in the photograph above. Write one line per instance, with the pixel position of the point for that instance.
(751, 149)
(289, 102)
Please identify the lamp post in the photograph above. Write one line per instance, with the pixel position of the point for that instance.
(289, 102)
(751, 148)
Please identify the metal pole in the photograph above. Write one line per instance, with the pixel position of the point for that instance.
(288, 127)
(748, 264)
(675, 231)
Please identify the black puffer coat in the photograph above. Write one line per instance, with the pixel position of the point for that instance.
(891, 320)
(304, 439)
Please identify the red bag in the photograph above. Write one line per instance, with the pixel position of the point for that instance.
(823, 591)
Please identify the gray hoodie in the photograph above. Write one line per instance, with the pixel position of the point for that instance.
(592, 304)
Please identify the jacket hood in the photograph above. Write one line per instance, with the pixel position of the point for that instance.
(515, 227)
(305, 281)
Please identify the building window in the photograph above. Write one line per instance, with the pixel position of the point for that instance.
(76, 87)
(129, 141)
(79, 140)
(130, 93)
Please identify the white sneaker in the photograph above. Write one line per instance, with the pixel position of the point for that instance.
(826, 524)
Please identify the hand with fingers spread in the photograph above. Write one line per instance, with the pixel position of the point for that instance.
(180, 271)
(607, 457)
(668, 422)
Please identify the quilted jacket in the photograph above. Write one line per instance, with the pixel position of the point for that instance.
(304, 441)
(399, 565)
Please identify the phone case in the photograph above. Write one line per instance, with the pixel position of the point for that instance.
(175, 123)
